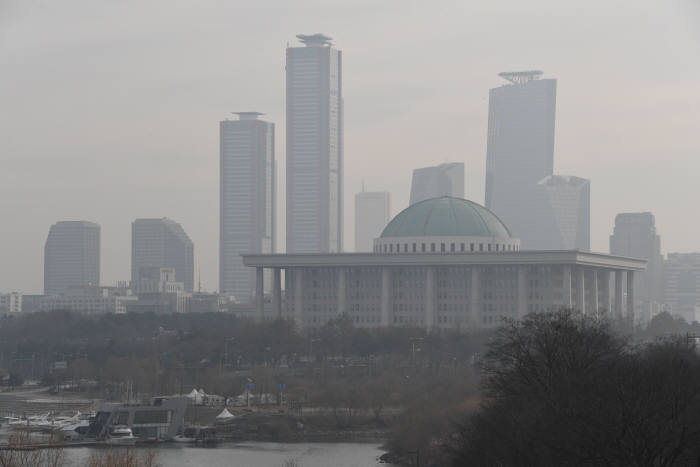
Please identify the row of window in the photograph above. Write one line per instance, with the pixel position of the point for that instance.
(389, 248)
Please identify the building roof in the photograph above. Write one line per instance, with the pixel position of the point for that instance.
(446, 216)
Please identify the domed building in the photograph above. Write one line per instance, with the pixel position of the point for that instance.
(445, 225)
(442, 263)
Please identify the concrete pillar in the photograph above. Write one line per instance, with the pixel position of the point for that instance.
(594, 292)
(277, 292)
(618, 294)
(341, 291)
(474, 299)
(566, 287)
(386, 297)
(630, 296)
(259, 293)
(581, 289)
(605, 303)
(522, 291)
(430, 296)
(299, 295)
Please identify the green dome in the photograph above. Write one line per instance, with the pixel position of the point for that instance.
(446, 217)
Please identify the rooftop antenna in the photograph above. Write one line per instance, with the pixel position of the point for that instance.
(199, 280)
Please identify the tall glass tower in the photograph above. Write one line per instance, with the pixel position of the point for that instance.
(314, 146)
(247, 199)
(71, 256)
(520, 149)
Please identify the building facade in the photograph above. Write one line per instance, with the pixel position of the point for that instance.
(162, 243)
(682, 286)
(563, 221)
(520, 149)
(635, 235)
(247, 199)
(71, 256)
(441, 180)
(314, 146)
(445, 263)
(372, 213)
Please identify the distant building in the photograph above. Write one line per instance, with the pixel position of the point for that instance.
(520, 149)
(562, 213)
(71, 256)
(162, 243)
(10, 303)
(247, 199)
(314, 146)
(201, 302)
(372, 214)
(682, 271)
(635, 236)
(158, 291)
(441, 180)
(445, 263)
(88, 300)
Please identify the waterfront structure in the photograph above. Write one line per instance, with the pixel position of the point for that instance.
(562, 214)
(682, 287)
(635, 235)
(10, 303)
(71, 256)
(162, 243)
(441, 180)
(520, 149)
(372, 212)
(160, 420)
(446, 263)
(247, 199)
(314, 146)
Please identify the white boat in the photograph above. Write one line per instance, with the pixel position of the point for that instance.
(121, 435)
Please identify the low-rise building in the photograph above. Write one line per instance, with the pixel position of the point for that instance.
(682, 291)
(88, 299)
(11, 303)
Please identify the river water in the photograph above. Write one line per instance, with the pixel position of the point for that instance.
(254, 454)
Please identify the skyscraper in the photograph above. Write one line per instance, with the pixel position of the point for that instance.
(314, 146)
(635, 236)
(162, 243)
(372, 214)
(71, 256)
(247, 199)
(437, 181)
(562, 212)
(520, 148)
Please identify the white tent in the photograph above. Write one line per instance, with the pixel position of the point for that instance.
(225, 415)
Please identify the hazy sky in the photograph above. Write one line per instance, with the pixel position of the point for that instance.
(109, 110)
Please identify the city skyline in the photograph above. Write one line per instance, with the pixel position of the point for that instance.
(628, 149)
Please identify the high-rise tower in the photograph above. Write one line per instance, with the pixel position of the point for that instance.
(562, 212)
(71, 256)
(635, 236)
(438, 181)
(520, 148)
(314, 146)
(162, 243)
(372, 214)
(247, 199)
